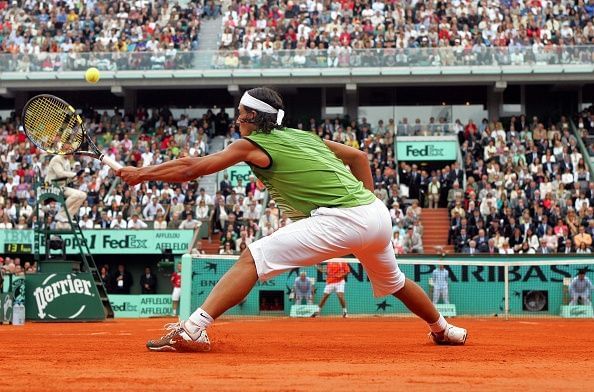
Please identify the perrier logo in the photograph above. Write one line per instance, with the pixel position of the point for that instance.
(62, 292)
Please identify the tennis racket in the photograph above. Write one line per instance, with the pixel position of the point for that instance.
(55, 127)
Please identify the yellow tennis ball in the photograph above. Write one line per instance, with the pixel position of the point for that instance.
(92, 75)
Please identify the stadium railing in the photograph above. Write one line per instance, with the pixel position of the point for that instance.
(583, 148)
(455, 60)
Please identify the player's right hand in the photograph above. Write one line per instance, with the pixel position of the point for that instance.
(130, 174)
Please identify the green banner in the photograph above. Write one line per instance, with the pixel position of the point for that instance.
(236, 172)
(107, 241)
(62, 297)
(138, 306)
(474, 289)
(430, 150)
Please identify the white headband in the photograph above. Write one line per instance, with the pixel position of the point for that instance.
(255, 103)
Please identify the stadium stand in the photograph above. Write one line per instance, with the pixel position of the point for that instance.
(515, 163)
(527, 185)
(53, 36)
(525, 182)
(374, 33)
(163, 35)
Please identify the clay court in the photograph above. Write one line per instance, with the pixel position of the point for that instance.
(294, 355)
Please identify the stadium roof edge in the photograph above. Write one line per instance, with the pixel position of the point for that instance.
(215, 78)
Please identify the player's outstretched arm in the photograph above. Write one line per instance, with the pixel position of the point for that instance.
(357, 161)
(186, 169)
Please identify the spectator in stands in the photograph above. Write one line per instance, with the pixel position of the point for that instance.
(268, 220)
(189, 223)
(118, 222)
(203, 196)
(227, 249)
(490, 247)
(398, 243)
(582, 238)
(85, 222)
(433, 193)
(151, 209)
(583, 249)
(6, 223)
(121, 281)
(412, 242)
(135, 223)
(160, 223)
(174, 222)
(225, 186)
(239, 188)
(148, 282)
(197, 251)
(505, 249)
(218, 216)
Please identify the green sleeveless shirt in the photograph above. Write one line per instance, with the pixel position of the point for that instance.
(304, 173)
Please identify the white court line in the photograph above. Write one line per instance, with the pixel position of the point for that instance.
(73, 334)
(528, 322)
(122, 333)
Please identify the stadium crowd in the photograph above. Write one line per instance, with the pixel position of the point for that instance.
(74, 35)
(52, 35)
(523, 187)
(237, 213)
(528, 190)
(16, 266)
(371, 33)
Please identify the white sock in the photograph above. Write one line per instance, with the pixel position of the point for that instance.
(344, 310)
(439, 326)
(198, 320)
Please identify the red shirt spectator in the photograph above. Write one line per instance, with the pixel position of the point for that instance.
(345, 37)
(470, 129)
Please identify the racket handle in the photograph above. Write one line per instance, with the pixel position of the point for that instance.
(111, 163)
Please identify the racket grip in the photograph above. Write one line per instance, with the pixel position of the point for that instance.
(111, 163)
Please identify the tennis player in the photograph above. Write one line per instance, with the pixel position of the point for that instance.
(335, 282)
(335, 210)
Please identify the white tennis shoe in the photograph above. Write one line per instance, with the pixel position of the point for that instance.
(180, 339)
(452, 335)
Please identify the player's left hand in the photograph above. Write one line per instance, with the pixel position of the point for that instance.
(130, 174)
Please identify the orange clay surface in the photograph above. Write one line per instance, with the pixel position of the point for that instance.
(324, 354)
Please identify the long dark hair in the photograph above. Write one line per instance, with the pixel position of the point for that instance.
(266, 122)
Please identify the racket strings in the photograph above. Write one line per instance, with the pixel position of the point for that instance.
(53, 125)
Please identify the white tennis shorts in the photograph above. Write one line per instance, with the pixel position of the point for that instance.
(364, 231)
(176, 294)
(334, 287)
